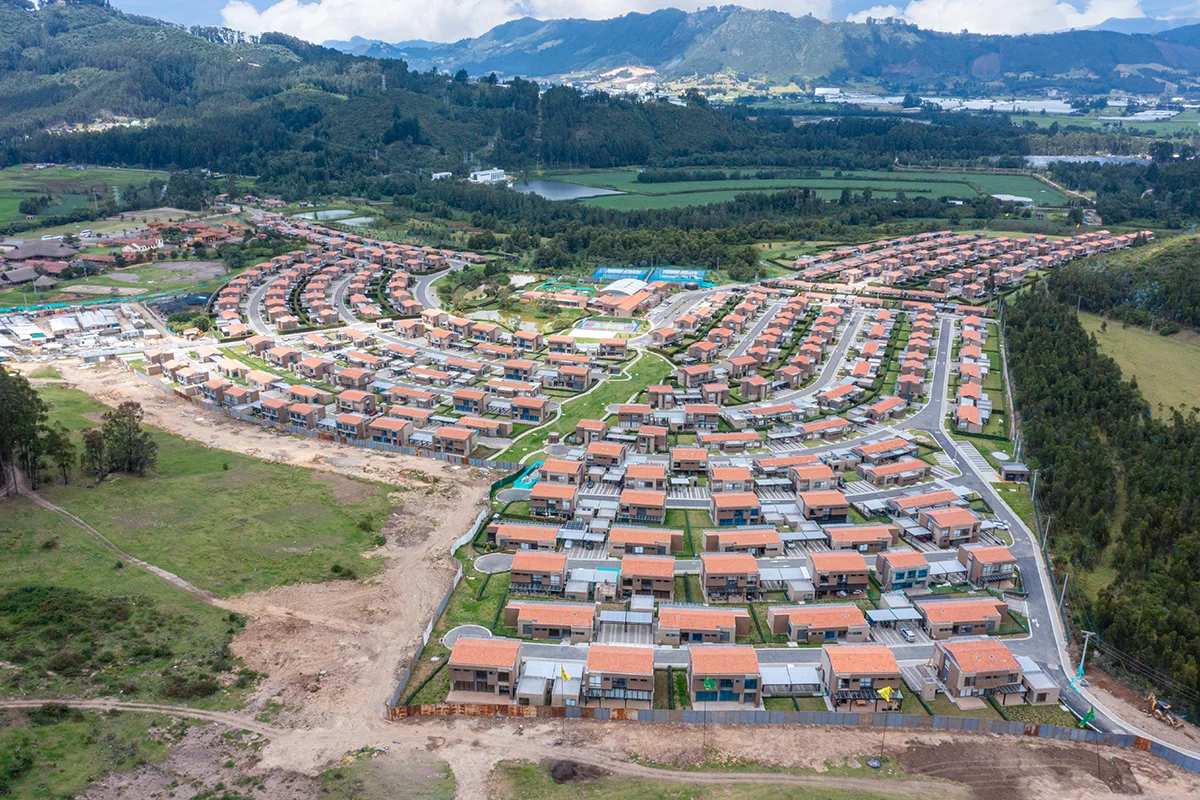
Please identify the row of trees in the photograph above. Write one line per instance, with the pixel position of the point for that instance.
(29, 442)
(1092, 437)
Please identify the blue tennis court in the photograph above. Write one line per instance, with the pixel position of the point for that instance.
(675, 275)
(617, 273)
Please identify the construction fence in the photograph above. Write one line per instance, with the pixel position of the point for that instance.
(814, 718)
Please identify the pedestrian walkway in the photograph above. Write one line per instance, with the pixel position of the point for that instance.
(943, 473)
(977, 461)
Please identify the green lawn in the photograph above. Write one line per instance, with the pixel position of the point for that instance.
(521, 780)
(1167, 368)
(53, 752)
(1017, 496)
(649, 369)
(45, 372)
(226, 522)
(1042, 715)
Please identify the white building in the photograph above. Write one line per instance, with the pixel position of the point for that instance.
(488, 176)
(441, 176)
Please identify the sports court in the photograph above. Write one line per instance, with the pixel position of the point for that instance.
(677, 275)
(617, 273)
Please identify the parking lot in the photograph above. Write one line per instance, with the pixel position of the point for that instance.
(892, 638)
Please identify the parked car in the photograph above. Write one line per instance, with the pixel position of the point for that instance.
(908, 635)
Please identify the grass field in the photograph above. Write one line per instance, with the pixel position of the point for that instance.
(520, 780)
(1167, 368)
(1188, 121)
(226, 522)
(963, 185)
(70, 187)
(165, 627)
(54, 753)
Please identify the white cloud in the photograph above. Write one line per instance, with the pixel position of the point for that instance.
(442, 20)
(1016, 16)
(876, 12)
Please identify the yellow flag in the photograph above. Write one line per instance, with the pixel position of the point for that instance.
(565, 676)
(886, 693)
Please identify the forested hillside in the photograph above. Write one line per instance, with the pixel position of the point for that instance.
(1158, 284)
(784, 48)
(1092, 437)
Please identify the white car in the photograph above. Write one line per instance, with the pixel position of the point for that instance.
(49, 237)
(908, 635)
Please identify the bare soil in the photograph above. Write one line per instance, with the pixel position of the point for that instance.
(1129, 705)
(206, 756)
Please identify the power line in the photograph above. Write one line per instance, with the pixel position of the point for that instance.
(1133, 664)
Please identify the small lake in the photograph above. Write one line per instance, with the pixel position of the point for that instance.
(1042, 162)
(358, 221)
(335, 213)
(561, 190)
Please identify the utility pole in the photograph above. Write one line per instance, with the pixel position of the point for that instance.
(1063, 594)
(1087, 637)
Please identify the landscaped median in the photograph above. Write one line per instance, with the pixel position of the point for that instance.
(649, 369)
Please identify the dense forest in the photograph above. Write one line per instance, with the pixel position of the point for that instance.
(1093, 439)
(1157, 285)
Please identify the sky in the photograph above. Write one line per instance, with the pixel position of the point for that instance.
(449, 20)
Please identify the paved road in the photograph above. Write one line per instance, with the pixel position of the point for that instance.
(760, 325)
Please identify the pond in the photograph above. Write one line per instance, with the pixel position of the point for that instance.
(333, 213)
(561, 190)
(1042, 162)
(358, 221)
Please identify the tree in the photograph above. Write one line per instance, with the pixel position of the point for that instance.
(93, 459)
(57, 444)
(22, 417)
(130, 448)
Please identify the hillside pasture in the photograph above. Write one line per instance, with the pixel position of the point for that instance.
(1167, 368)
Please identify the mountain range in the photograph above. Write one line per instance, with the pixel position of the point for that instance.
(781, 48)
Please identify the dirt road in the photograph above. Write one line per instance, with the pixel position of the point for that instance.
(933, 764)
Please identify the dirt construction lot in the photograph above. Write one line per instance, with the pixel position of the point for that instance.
(332, 653)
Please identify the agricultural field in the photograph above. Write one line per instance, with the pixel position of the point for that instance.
(226, 522)
(1167, 368)
(1187, 121)
(962, 185)
(70, 187)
